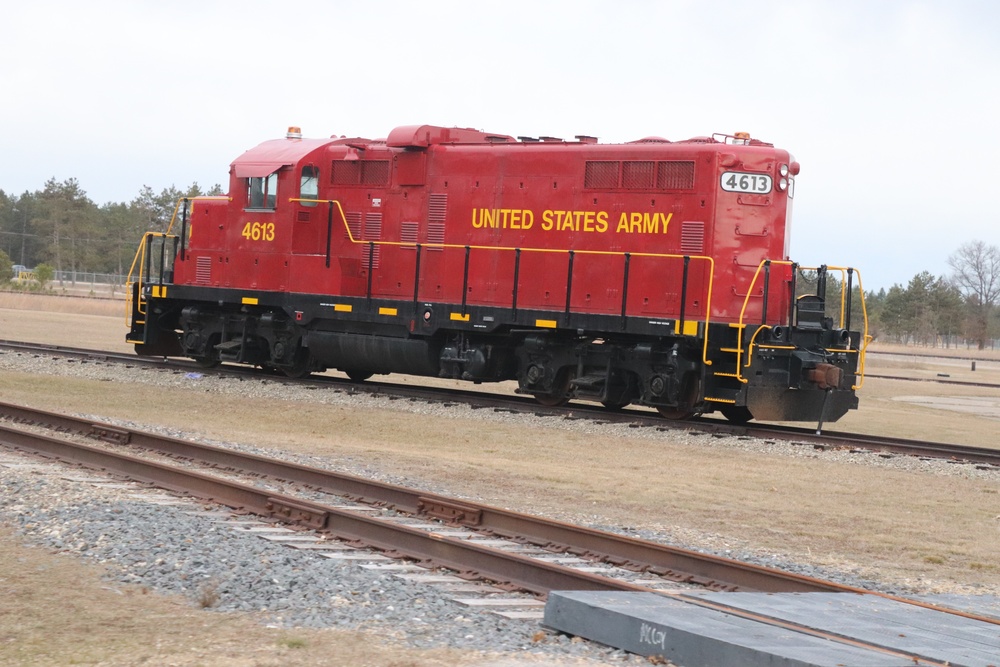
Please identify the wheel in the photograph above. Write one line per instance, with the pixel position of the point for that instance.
(358, 376)
(618, 404)
(559, 395)
(737, 414)
(302, 366)
(206, 362)
(676, 414)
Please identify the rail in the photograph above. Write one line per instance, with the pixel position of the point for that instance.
(333, 204)
(140, 259)
(847, 289)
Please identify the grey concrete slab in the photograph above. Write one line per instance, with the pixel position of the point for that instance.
(894, 625)
(655, 625)
(983, 605)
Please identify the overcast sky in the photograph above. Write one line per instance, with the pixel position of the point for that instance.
(891, 107)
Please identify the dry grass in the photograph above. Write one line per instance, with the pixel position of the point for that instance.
(907, 527)
(58, 611)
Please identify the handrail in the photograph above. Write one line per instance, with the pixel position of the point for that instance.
(709, 260)
(865, 338)
(140, 260)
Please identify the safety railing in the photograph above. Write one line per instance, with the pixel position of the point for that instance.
(846, 293)
(147, 264)
(334, 205)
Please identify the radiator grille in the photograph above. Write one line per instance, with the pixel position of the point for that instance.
(359, 172)
(601, 174)
(375, 172)
(344, 172)
(676, 175)
(638, 175)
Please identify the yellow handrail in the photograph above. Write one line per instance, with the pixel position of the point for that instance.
(865, 338)
(455, 246)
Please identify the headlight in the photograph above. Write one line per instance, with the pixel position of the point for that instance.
(782, 184)
(783, 170)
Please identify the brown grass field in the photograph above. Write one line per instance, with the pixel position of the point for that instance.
(906, 527)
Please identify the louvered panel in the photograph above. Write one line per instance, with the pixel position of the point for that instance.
(354, 225)
(408, 232)
(203, 270)
(435, 234)
(303, 216)
(437, 207)
(373, 232)
(693, 238)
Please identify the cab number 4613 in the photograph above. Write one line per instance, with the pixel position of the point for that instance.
(258, 231)
(736, 181)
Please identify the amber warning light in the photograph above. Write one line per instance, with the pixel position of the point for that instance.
(294, 133)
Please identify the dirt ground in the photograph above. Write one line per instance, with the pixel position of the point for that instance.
(906, 527)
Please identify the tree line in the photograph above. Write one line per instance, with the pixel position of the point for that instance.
(60, 229)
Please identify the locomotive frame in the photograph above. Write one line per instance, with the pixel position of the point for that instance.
(683, 356)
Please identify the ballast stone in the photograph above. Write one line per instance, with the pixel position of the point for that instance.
(694, 636)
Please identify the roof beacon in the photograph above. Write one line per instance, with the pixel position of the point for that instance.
(294, 133)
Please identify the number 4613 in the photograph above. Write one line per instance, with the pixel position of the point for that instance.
(258, 231)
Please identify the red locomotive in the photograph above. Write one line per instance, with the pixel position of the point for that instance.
(652, 272)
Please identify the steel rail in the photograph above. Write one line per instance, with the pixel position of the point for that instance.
(675, 563)
(436, 550)
(828, 438)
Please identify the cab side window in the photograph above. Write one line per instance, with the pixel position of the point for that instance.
(309, 185)
(262, 192)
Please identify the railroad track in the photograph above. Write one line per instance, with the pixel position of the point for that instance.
(638, 418)
(500, 548)
(674, 565)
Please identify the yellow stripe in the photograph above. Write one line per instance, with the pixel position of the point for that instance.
(386, 311)
(548, 324)
(250, 300)
(459, 317)
(690, 328)
(721, 400)
(343, 307)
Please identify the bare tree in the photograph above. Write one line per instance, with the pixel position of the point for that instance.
(976, 273)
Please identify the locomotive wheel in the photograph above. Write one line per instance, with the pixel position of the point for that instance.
(737, 414)
(358, 376)
(615, 404)
(302, 366)
(206, 362)
(676, 414)
(559, 395)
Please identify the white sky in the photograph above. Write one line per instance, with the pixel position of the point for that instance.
(892, 107)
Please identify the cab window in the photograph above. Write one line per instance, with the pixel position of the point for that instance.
(262, 192)
(309, 185)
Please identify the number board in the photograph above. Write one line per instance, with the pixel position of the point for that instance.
(738, 181)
